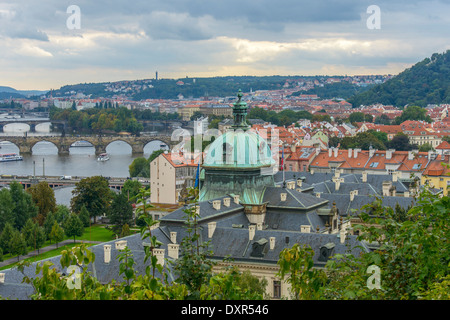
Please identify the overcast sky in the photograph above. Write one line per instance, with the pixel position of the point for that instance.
(127, 40)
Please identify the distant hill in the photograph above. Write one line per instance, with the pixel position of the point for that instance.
(7, 92)
(427, 82)
(342, 90)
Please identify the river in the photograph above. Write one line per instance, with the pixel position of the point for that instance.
(81, 161)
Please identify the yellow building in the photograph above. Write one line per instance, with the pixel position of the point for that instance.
(437, 174)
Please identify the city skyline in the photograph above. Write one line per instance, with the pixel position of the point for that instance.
(44, 47)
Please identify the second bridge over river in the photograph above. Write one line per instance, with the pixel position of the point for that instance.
(26, 144)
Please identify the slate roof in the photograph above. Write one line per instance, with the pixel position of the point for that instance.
(294, 199)
(13, 288)
(235, 243)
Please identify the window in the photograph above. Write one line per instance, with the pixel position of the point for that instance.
(277, 289)
(374, 164)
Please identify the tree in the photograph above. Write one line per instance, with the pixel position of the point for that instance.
(425, 147)
(23, 205)
(73, 227)
(120, 213)
(39, 237)
(44, 198)
(62, 212)
(383, 119)
(5, 236)
(296, 264)
(84, 216)
(17, 245)
(94, 194)
(27, 232)
(400, 142)
(130, 189)
(6, 209)
(413, 113)
(140, 167)
(56, 234)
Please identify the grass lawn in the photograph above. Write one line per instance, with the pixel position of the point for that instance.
(94, 233)
(46, 255)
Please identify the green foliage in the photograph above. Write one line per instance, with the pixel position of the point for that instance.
(360, 117)
(400, 142)
(23, 205)
(130, 189)
(342, 90)
(426, 82)
(56, 234)
(84, 216)
(283, 118)
(44, 198)
(120, 213)
(413, 113)
(362, 140)
(296, 265)
(94, 194)
(73, 227)
(17, 245)
(6, 209)
(6, 235)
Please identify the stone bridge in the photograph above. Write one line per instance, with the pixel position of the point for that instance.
(26, 144)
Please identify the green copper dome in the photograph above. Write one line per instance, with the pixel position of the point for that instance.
(235, 161)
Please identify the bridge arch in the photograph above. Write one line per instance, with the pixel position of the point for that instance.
(43, 141)
(8, 146)
(16, 127)
(153, 145)
(120, 141)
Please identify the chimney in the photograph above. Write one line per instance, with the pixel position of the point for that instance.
(293, 147)
(317, 194)
(355, 153)
(283, 196)
(236, 199)
(350, 153)
(305, 228)
(299, 182)
(251, 231)
(311, 171)
(211, 228)
(386, 188)
(173, 237)
(317, 151)
(120, 245)
(389, 154)
(406, 194)
(2, 277)
(352, 195)
(159, 254)
(216, 204)
(364, 177)
(272, 243)
(431, 155)
(259, 226)
(337, 182)
(337, 173)
(336, 152)
(291, 185)
(372, 152)
(343, 234)
(226, 202)
(411, 154)
(107, 253)
(329, 152)
(173, 250)
(395, 176)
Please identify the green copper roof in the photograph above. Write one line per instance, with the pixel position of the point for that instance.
(239, 149)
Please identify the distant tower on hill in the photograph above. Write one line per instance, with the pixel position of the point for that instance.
(156, 76)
